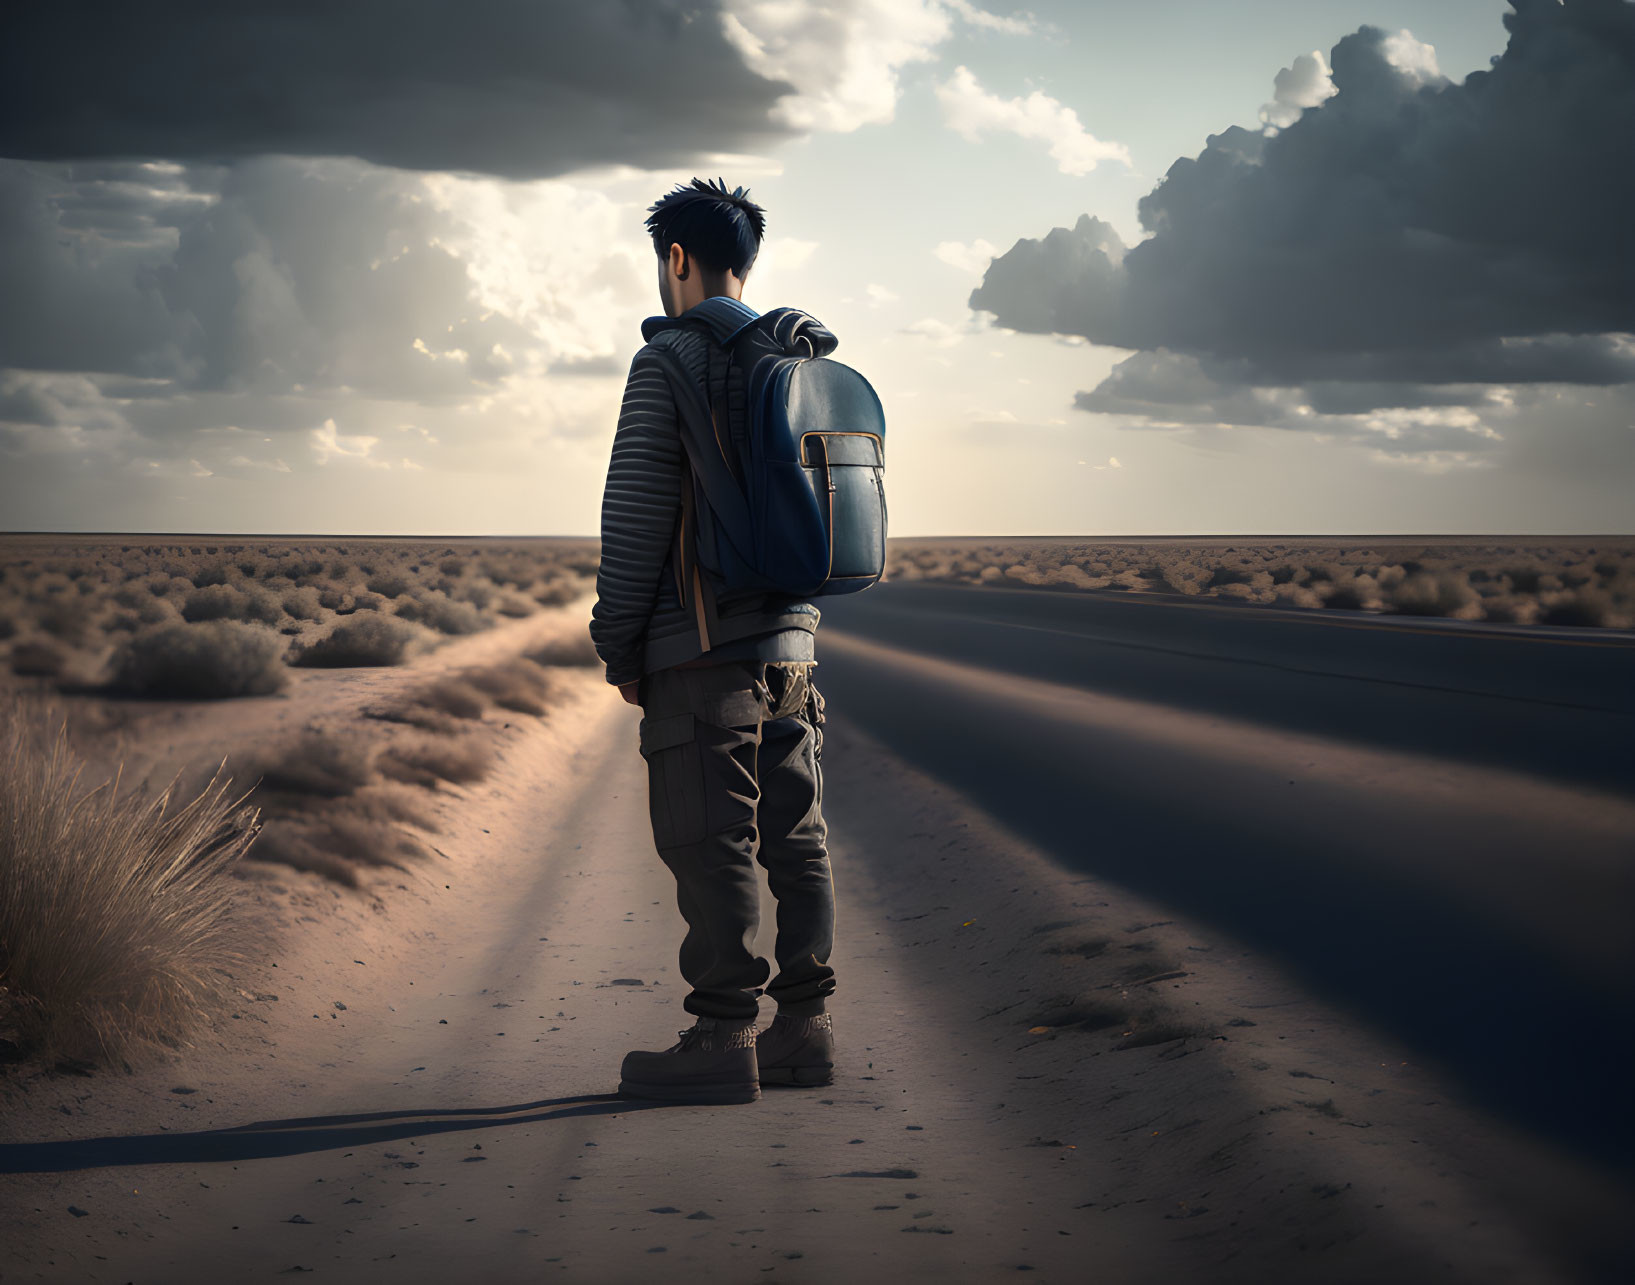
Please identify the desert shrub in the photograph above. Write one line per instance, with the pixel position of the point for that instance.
(158, 611)
(1296, 595)
(1524, 579)
(390, 584)
(38, 658)
(298, 843)
(115, 910)
(1511, 609)
(301, 603)
(206, 576)
(387, 801)
(576, 648)
(1181, 576)
(8, 627)
(329, 764)
(206, 660)
(519, 685)
(1346, 597)
(479, 593)
(515, 606)
(435, 706)
(1584, 606)
(64, 615)
(367, 640)
(1424, 593)
(444, 614)
(225, 602)
(1577, 574)
(557, 594)
(366, 601)
(432, 760)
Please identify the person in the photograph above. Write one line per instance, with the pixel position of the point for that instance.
(731, 733)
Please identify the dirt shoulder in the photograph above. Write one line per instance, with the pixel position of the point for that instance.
(1037, 1071)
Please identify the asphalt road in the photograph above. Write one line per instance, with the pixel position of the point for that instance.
(1430, 824)
(1553, 703)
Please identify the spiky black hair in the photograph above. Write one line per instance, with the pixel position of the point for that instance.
(721, 229)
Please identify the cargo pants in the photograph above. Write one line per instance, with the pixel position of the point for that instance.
(734, 778)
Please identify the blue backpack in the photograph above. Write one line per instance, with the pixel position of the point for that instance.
(790, 497)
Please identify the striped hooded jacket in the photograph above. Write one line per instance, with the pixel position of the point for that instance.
(639, 623)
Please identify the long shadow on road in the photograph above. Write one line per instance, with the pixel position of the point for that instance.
(269, 1138)
(1528, 1039)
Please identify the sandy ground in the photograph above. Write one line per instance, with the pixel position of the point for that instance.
(474, 1015)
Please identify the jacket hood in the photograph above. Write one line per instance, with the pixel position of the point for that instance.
(793, 330)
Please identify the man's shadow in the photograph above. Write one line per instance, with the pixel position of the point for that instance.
(268, 1138)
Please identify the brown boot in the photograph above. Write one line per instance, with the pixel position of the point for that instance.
(714, 1063)
(797, 1050)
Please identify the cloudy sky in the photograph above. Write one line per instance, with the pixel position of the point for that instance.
(1280, 266)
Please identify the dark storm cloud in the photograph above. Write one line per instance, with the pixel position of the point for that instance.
(268, 276)
(1404, 231)
(515, 88)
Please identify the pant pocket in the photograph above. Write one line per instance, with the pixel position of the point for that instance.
(675, 779)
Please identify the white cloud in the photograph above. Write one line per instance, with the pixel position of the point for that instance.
(843, 59)
(940, 333)
(878, 294)
(1306, 82)
(1413, 57)
(274, 465)
(1016, 24)
(328, 443)
(970, 111)
(972, 258)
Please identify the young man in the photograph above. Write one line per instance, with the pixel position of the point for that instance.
(732, 734)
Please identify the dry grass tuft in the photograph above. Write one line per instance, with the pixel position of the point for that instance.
(115, 910)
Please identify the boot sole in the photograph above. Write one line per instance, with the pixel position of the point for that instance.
(711, 1094)
(799, 1075)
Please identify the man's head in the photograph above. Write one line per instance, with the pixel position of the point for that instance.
(706, 239)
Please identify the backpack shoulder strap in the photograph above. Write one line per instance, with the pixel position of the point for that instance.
(698, 437)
